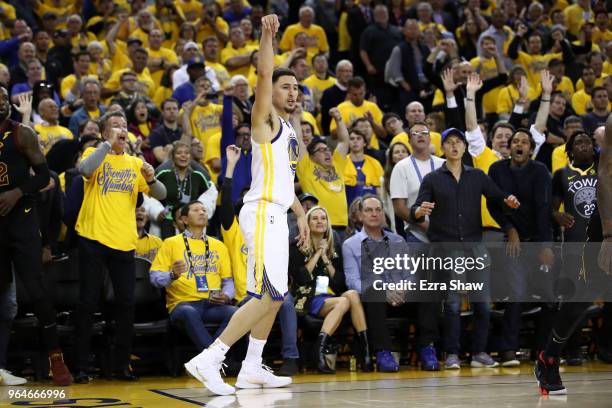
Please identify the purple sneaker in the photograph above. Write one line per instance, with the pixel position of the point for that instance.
(429, 361)
(483, 360)
(385, 362)
(452, 362)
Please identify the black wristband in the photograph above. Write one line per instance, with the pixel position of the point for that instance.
(152, 182)
(544, 100)
(469, 99)
(607, 236)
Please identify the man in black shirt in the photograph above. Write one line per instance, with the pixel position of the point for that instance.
(336, 94)
(598, 116)
(530, 182)
(167, 132)
(450, 196)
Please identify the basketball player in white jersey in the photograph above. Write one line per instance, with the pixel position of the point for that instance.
(263, 221)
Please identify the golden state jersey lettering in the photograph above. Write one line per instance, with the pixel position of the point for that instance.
(116, 181)
(273, 168)
(202, 263)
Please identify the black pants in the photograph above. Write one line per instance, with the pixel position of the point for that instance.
(94, 259)
(21, 248)
(377, 309)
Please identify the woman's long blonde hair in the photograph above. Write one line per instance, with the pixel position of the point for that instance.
(308, 249)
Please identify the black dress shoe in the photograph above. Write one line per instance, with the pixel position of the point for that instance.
(82, 377)
(289, 367)
(125, 375)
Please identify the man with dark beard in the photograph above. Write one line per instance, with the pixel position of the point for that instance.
(596, 261)
(20, 241)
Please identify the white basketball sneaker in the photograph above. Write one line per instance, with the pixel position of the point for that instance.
(7, 378)
(257, 375)
(206, 368)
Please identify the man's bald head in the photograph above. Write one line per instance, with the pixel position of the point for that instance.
(415, 112)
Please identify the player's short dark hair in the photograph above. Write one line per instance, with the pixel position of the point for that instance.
(388, 116)
(185, 209)
(313, 144)
(597, 89)
(106, 117)
(356, 82)
(569, 145)
(532, 142)
(169, 100)
(281, 72)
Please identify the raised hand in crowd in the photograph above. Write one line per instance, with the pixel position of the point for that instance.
(24, 107)
(449, 82)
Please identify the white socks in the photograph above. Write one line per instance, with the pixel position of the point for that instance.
(218, 349)
(255, 350)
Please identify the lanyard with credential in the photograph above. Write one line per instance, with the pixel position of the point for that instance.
(416, 168)
(190, 256)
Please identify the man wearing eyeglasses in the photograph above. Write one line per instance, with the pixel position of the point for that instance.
(320, 174)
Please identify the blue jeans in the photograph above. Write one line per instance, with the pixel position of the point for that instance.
(288, 322)
(516, 271)
(193, 315)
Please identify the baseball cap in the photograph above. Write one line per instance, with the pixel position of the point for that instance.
(307, 196)
(195, 61)
(190, 44)
(453, 132)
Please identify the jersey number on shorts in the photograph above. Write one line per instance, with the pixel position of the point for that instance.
(4, 179)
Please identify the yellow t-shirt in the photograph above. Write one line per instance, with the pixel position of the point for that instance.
(307, 117)
(351, 112)
(109, 202)
(319, 85)
(326, 185)
(344, 38)
(559, 158)
(144, 81)
(230, 52)
(487, 68)
(191, 9)
(315, 32)
(9, 10)
(574, 18)
(161, 94)
(598, 35)
(533, 64)
(206, 121)
(371, 168)
(83, 39)
(435, 139)
(101, 71)
(220, 71)
(598, 82)
(147, 246)
(508, 95)
(48, 135)
(581, 102)
(168, 56)
(484, 162)
(212, 152)
(234, 241)
(207, 31)
(440, 27)
(68, 82)
(184, 288)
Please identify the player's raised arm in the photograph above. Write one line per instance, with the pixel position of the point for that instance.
(263, 113)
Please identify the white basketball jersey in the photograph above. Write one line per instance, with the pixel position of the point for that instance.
(273, 168)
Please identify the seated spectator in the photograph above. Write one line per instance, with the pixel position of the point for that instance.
(49, 131)
(415, 113)
(395, 154)
(167, 132)
(198, 291)
(371, 213)
(320, 174)
(69, 86)
(183, 185)
(34, 73)
(581, 100)
(320, 288)
(336, 94)
(320, 80)
(236, 11)
(236, 56)
(362, 173)
(147, 245)
(601, 109)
